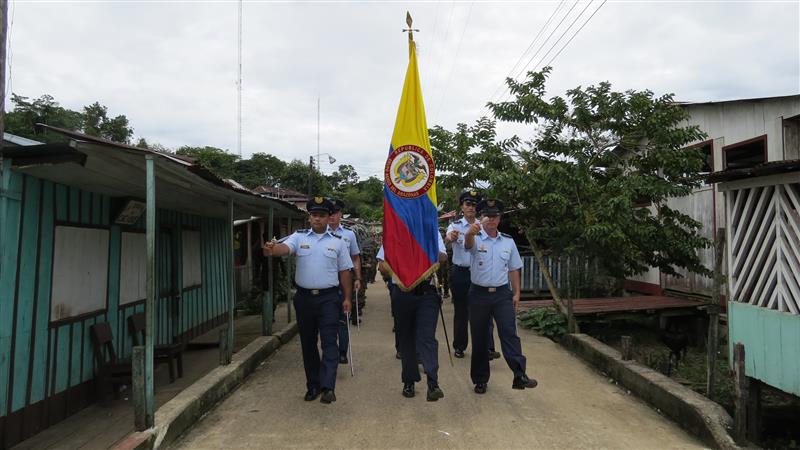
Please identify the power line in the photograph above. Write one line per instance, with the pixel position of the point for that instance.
(519, 60)
(506, 92)
(576, 33)
(455, 61)
(563, 34)
(444, 43)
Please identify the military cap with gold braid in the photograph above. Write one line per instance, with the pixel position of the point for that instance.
(319, 204)
(490, 207)
(471, 195)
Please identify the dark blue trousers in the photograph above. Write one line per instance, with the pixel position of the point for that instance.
(459, 286)
(484, 305)
(416, 318)
(318, 315)
(344, 338)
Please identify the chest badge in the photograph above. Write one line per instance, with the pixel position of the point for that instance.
(305, 246)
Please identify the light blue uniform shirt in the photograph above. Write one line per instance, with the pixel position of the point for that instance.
(442, 249)
(349, 238)
(492, 259)
(319, 258)
(461, 256)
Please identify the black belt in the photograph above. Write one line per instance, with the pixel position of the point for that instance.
(422, 289)
(489, 289)
(302, 290)
(456, 266)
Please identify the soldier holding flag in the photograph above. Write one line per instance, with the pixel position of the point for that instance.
(411, 239)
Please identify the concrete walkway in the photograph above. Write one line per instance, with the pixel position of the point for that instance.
(573, 407)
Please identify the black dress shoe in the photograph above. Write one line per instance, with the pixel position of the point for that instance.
(522, 382)
(398, 355)
(493, 355)
(480, 388)
(343, 358)
(327, 396)
(434, 393)
(458, 353)
(311, 394)
(408, 390)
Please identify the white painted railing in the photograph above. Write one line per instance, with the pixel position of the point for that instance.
(764, 245)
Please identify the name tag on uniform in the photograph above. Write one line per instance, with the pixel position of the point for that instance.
(331, 249)
(305, 246)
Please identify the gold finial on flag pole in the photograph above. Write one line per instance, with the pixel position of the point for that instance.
(410, 30)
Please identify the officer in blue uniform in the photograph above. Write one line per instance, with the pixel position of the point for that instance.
(323, 265)
(349, 238)
(460, 277)
(495, 262)
(416, 315)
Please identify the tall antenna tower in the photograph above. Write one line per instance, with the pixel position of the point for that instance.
(239, 89)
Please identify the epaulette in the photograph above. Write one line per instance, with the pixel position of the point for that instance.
(302, 231)
(506, 235)
(334, 235)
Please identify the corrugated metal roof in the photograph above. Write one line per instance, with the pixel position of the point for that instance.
(756, 99)
(760, 170)
(118, 170)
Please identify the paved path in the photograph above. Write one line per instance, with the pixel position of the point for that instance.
(573, 407)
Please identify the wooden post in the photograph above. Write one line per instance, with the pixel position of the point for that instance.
(231, 281)
(224, 346)
(269, 296)
(754, 411)
(139, 396)
(740, 393)
(627, 348)
(150, 302)
(713, 315)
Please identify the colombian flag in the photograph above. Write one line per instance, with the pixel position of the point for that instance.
(410, 218)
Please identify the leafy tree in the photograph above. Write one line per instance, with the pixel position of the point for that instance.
(296, 177)
(261, 169)
(93, 120)
(26, 114)
(97, 123)
(220, 162)
(345, 176)
(597, 157)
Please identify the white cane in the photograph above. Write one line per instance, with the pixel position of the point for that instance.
(349, 346)
(358, 322)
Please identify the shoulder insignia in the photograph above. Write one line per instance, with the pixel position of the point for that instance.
(506, 235)
(335, 235)
(302, 231)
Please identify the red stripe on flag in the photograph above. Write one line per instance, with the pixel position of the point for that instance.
(401, 242)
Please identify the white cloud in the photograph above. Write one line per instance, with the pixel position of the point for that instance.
(171, 66)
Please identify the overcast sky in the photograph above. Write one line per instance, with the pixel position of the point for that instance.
(171, 67)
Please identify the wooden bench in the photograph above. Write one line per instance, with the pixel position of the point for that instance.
(111, 371)
(165, 353)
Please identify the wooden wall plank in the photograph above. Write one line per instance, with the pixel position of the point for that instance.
(26, 290)
(41, 366)
(76, 334)
(73, 205)
(63, 339)
(8, 282)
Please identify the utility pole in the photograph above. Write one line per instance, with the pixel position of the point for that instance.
(318, 132)
(238, 89)
(3, 31)
(310, 173)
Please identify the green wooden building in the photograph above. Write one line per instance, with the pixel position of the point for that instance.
(73, 254)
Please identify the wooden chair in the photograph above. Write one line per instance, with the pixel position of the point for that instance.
(111, 371)
(165, 353)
